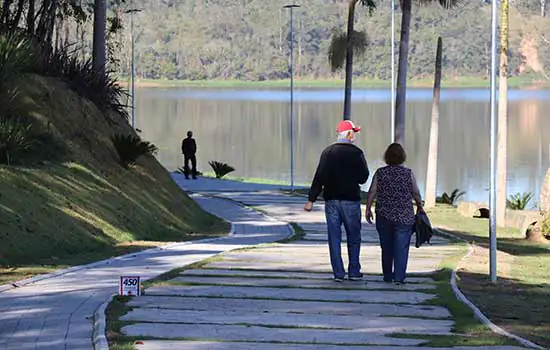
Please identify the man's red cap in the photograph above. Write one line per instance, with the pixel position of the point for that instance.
(347, 125)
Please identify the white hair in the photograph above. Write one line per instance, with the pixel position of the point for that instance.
(343, 136)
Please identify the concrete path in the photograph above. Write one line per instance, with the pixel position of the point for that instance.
(56, 313)
(282, 296)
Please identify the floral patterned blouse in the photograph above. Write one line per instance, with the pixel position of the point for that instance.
(394, 194)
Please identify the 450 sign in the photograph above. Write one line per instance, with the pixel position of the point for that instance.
(129, 286)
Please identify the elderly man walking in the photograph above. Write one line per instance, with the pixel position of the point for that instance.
(341, 170)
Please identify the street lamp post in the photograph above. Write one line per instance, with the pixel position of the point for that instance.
(131, 12)
(291, 70)
(392, 123)
(493, 156)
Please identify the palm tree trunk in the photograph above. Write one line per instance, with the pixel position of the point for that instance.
(100, 25)
(401, 95)
(543, 8)
(502, 115)
(30, 18)
(431, 174)
(349, 60)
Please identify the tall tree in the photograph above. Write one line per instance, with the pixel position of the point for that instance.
(502, 114)
(343, 47)
(431, 173)
(401, 94)
(99, 43)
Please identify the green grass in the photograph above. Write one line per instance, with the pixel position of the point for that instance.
(87, 208)
(520, 300)
(462, 82)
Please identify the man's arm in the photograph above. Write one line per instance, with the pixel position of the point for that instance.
(193, 146)
(363, 170)
(183, 146)
(318, 179)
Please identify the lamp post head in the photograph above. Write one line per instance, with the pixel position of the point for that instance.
(291, 6)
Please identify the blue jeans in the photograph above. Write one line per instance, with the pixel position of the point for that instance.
(348, 213)
(395, 240)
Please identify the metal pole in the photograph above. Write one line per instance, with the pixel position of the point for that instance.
(133, 67)
(291, 70)
(493, 156)
(392, 71)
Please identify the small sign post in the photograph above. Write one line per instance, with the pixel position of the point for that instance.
(129, 286)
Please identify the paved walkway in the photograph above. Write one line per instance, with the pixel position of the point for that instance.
(56, 313)
(282, 296)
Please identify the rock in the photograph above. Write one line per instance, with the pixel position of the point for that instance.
(544, 200)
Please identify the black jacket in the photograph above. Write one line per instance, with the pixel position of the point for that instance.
(342, 168)
(188, 147)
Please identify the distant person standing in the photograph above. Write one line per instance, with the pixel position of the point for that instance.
(189, 150)
(342, 168)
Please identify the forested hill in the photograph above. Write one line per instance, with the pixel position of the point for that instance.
(248, 39)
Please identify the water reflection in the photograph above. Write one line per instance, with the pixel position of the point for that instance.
(249, 129)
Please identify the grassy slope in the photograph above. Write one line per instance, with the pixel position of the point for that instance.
(87, 207)
(520, 301)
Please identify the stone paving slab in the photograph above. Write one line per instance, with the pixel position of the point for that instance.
(371, 324)
(363, 296)
(299, 283)
(205, 345)
(308, 266)
(287, 306)
(287, 274)
(263, 334)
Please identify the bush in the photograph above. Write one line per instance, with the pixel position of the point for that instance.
(519, 201)
(130, 148)
(452, 199)
(221, 169)
(22, 139)
(99, 87)
(16, 56)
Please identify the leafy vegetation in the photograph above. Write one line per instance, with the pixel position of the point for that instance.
(450, 199)
(221, 169)
(130, 148)
(519, 201)
(250, 40)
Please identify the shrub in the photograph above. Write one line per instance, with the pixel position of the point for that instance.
(16, 56)
(22, 139)
(130, 148)
(221, 169)
(519, 201)
(452, 199)
(99, 87)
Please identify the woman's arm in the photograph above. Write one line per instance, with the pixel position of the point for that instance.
(372, 192)
(416, 194)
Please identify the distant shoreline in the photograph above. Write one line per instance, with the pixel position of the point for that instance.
(466, 82)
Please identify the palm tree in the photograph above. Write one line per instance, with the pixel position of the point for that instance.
(502, 114)
(431, 176)
(401, 95)
(100, 26)
(344, 45)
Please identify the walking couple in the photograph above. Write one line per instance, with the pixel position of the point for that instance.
(341, 170)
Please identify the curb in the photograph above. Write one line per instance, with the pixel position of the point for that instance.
(109, 261)
(100, 325)
(477, 312)
(99, 340)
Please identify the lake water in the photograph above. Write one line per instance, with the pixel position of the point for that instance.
(249, 129)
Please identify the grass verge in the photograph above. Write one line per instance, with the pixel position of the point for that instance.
(520, 301)
(462, 82)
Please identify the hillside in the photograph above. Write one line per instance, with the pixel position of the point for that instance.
(249, 40)
(86, 206)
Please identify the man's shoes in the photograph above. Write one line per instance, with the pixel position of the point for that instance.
(358, 277)
(399, 283)
(338, 279)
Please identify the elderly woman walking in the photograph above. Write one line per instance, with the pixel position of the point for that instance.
(394, 187)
